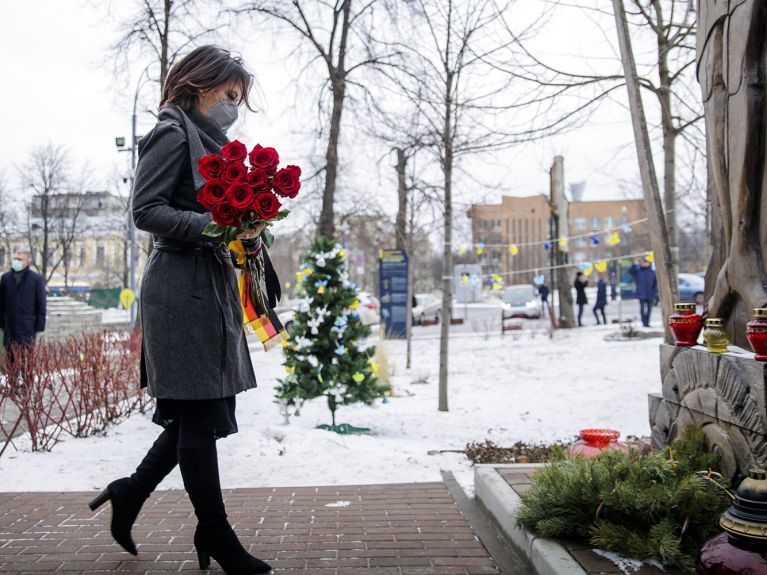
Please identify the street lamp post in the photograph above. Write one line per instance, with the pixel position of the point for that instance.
(133, 246)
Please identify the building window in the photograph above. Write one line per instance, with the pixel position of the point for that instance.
(609, 222)
(82, 257)
(580, 223)
(496, 225)
(580, 257)
(595, 222)
(581, 242)
(624, 220)
(100, 256)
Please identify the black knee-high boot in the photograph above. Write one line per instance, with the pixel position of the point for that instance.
(129, 493)
(214, 537)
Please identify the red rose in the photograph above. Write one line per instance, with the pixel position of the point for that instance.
(240, 195)
(212, 194)
(258, 179)
(266, 205)
(286, 182)
(235, 151)
(225, 214)
(210, 167)
(264, 158)
(234, 172)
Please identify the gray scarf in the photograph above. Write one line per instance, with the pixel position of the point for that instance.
(202, 134)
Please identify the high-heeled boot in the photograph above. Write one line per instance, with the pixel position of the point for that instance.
(128, 494)
(214, 537)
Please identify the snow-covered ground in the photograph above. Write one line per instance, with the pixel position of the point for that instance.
(528, 388)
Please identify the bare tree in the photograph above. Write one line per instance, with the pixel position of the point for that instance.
(8, 216)
(458, 99)
(54, 208)
(158, 31)
(338, 35)
(667, 25)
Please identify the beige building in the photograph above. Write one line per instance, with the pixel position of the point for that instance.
(86, 240)
(525, 222)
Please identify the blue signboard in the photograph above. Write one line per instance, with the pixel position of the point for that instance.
(392, 267)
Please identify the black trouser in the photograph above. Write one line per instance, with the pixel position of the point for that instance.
(600, 308)
(580, 314)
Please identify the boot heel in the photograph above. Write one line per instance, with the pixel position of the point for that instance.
(203, 558)
(102, 498)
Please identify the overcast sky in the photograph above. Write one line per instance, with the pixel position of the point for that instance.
(58, 87)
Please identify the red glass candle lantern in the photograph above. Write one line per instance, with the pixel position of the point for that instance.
(742, 549)
(756, 332)
(592, 441)
(685, 323)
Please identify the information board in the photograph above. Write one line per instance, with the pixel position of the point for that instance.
(392, 268)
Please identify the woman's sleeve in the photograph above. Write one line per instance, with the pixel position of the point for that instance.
(163, 158)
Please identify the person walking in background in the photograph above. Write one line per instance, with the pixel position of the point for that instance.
(580, 295)
(22, 315)
(601, 302)
(543, 291)
(646, 286)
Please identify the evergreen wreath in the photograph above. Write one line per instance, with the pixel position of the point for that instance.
(662, 505)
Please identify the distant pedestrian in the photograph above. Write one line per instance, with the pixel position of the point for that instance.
(580, 295)
(646, 286)
(543, 291)
(601, 302)
(613, 286)
(22, 314)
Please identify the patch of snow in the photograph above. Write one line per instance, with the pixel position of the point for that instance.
(532, 389)
(339, 504)
(628, 566)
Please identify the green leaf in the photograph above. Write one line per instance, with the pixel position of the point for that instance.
(267, 238)
(213, 230)
(281, 215)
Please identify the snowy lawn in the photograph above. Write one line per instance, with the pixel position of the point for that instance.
(506, 390)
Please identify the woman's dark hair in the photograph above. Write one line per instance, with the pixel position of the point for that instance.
(203, 69)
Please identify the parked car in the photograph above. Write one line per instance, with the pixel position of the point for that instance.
(427, 306)
(691, 288)
(521, 301)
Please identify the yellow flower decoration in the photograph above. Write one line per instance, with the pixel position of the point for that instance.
(462, 250)
(358, 377)
(321, 290)
(513, 249)
(563, 242)
(290, 369)
(601, 266)
(342, 254)
(374, 367)
(355, 304)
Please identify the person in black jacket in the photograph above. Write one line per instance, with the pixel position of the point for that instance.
(194, 356)
(580, 295)
(599, 306)
(22, 313)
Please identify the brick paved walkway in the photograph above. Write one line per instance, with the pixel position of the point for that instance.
(395, 529)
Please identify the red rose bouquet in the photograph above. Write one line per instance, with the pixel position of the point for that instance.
(243, 198)
(246, 199)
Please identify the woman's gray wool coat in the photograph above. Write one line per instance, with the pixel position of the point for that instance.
(193, 344)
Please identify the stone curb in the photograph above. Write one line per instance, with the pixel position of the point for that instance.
(546, 556)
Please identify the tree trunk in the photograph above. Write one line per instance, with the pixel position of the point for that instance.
(401, 225)
(447, 251)
(164, 64)
(669, 139)
(338, 82)
(666, 275)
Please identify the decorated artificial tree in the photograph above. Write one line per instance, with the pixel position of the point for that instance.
(328, 353)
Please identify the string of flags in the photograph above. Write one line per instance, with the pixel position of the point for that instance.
(609, 236)
(587, 268)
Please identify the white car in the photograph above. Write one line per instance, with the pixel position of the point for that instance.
(427, 306)
(521, 301)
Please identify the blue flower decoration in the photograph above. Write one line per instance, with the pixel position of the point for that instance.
(547, 246)
(594, 241)
(354, 313)
(626, 229)
(341, 321)
(340, 350)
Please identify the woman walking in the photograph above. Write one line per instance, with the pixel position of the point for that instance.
(580, 295)
(194, 356)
